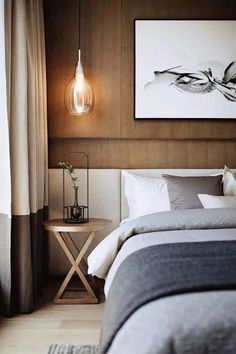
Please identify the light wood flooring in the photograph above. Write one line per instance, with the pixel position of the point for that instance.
(50, 324)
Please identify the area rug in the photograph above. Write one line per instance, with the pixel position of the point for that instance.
(73, 349)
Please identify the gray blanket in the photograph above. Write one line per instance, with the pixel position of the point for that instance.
(102, 258)
(165, 270)
(190, 323)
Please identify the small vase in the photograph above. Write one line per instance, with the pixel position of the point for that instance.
(76, 213)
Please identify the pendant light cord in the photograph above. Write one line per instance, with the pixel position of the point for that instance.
(80, 30)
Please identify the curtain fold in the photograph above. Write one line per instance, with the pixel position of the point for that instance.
(26, 93)
(5, 179)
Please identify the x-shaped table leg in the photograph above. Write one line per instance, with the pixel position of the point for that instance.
(75, 268)
(74, 251)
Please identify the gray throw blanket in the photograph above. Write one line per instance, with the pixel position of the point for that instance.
(103, 256)
(164, 270)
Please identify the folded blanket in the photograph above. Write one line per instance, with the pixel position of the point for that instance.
(101, 259)
(164, 270)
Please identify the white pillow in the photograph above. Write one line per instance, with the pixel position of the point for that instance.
(145, 195)
(212, 201)
(229, 180)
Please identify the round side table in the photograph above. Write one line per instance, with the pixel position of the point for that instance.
(62, 231)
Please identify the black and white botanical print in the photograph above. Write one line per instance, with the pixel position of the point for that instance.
(185, 69)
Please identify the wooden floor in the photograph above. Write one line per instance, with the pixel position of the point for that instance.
(50, 324)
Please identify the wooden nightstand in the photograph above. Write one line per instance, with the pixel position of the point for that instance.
(62, 232)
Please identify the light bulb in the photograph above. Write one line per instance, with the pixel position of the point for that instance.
(78, 94)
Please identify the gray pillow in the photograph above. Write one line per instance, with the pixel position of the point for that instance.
(183, 191)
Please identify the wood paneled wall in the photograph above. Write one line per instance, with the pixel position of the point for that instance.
(132, 153)
(107, 45)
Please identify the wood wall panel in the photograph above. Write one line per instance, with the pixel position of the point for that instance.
(107, 44)
(132, 153)
(170, 9)
(100, 46)
(109, 134)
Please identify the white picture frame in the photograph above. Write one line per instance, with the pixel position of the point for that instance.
(185, 69)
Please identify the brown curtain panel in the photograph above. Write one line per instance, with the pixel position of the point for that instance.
(26, 99)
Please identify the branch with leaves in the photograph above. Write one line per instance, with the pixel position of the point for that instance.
(68, 168)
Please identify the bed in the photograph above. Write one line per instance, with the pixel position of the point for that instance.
(170, 282)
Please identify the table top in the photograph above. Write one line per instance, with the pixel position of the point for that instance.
(60, 225)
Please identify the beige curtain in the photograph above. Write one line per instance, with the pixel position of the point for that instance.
(26, 93)
(5, 178)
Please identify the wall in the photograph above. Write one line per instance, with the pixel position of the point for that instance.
(109, 134)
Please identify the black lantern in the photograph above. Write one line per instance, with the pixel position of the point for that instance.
(75, 188)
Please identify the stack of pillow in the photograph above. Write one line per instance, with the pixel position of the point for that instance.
(148, 195)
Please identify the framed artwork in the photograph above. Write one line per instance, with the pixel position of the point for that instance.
(185, 69)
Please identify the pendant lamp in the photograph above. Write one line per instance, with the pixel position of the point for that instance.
(79, 95)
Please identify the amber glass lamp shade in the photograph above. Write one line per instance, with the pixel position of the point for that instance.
(78, 94)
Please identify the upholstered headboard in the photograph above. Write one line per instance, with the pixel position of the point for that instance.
(158, 173)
